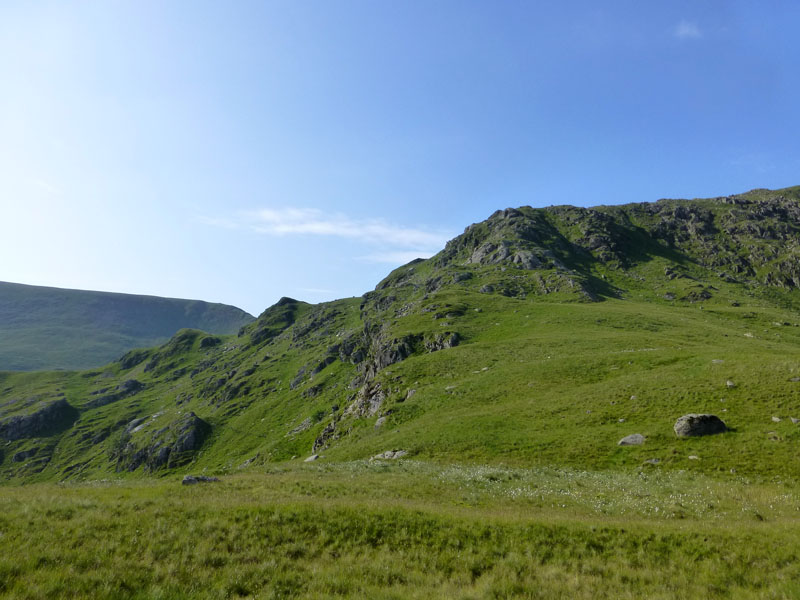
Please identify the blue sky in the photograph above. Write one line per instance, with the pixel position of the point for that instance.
(242, 151)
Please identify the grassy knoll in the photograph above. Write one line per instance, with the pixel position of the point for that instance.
(406, 529)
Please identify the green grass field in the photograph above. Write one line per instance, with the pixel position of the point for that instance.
(405, 529)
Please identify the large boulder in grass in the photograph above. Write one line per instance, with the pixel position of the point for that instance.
(695, 424)
(634, 439)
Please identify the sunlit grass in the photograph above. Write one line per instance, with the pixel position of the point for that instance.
(403, 530)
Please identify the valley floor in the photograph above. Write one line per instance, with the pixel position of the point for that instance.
(405, 529)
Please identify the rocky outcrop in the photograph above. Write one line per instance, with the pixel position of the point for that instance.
(367, 402)
(210, 341)
(273, 321)
(133, 358)
(168, 447)
(125, 389)
(48, 418)
(697, 424)
(306, 424)
(24, 455)
(324, 438)
(441, 341)
(723, 235)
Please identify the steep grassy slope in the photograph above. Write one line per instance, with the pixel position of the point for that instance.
(540, 336)
(50, 328)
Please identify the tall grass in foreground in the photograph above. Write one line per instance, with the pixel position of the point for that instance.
(408, 530)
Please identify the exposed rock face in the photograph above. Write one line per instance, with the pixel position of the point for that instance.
(133, 358)
(368, 401)
(635, 439)
(324, 438)
(168, 447)
(38, 423)
(442, 341)
(210, 341)
(24, 455)
(696, 424)
(306, 424)
(125, 389)
(133, 425)
(567, 238)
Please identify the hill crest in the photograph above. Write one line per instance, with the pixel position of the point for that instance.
(50, 328)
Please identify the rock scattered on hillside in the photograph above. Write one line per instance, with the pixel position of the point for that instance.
(697, 424)
(312, 458)
(193, 479)
(635, 439)
(776, 419)
(306, 424)
(730, 385)
(390, 455)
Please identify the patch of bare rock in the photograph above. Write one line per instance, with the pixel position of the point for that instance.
(390, 455)
(195, 479)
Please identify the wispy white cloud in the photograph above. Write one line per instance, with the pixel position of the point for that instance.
(317, 291)
(687, 30)
(47, 187)
(392, 243)
(309, 221)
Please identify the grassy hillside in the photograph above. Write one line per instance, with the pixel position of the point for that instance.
(51, 328)
(540, 336)
(505, 370)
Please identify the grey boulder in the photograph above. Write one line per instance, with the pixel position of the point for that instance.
(634, 439)
(697, 424)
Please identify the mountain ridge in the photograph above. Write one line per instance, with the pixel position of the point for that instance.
(538, 336)
(48, 328)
